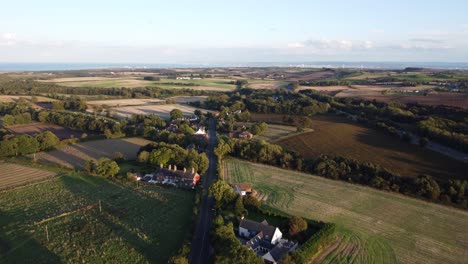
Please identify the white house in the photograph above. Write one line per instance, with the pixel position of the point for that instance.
(265, 240)
(249, 228)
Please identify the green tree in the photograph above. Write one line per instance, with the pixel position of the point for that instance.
(239, 206)
(8, 120)
(176, 114)
(251, 202)
(90, 166)
(47, 140)
(296, 225)
(222, 193)
(107, 167)
(26, 144)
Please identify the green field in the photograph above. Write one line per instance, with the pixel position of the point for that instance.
(374, 226)
(145, 225)
(132, 82)
(338, 136)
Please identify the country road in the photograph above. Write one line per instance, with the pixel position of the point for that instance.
(201, 247)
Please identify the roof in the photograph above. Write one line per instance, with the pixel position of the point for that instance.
(243, 186)
(280, 249)
(177, 173)
(267, 230)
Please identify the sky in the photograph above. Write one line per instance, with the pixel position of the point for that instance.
(233, 31)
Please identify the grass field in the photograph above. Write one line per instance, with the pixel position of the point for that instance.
(162, 110)
(59, 221)
(274, 132)
(374, 226)
(338, 136)
(132, 82)
(124, 102)
(76, 155)
(13, 175)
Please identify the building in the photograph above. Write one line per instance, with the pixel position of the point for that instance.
(242, 188)
(201, 133)
(181, 178)
(265, 240)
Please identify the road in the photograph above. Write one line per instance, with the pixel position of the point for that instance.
(201, 247)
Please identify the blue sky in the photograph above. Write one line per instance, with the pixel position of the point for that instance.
(233, 31)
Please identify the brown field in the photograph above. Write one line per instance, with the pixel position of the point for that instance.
(307, 76)
(14, 98)
(75, 156)
(161, 110)
(338, 136)
(124, 102)
(13, 175)
(36, 128)
(450, 99)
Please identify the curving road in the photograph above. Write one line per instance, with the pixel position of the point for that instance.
(201, 247)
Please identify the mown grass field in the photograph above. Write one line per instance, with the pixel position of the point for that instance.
(75, 156)
(12, 175)
(373, 226)
(162, 110)
(338, 136)
(145, 225)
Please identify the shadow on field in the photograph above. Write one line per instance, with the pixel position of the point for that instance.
(411, 160)
(20, 247)
(141, 220)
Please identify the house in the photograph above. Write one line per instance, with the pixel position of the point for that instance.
(181, 178)
(265, 240)
(201, 133)
(249, 229)
(242, 188)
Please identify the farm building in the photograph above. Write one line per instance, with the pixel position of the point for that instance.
(242, 188)
(265, 240)
(181, 178)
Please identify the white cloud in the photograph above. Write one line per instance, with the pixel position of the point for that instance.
(7, 39)
(331, 45)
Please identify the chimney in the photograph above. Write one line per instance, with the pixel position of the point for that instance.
(193, 170)
(170, 167)
(175, 167)
(185, 170)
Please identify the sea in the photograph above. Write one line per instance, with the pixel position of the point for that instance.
(5, 66)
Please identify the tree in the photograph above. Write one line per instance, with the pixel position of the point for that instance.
(8, 120)
(222, 193)
(296, 225)
(107, 167)
(176, 114)
(239, 206)
(47, 140)
(90, 166)
(143, 157)
(26, 144)
(118, 157)
(197, 113)
(251, 202)
(241, 84)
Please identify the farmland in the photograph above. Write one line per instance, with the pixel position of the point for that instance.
(75, 156)
(36, 128)
(161, 110)
(450, 99)
(124, 102)
(338, 136)
(61, 221)
(12, 175)
(132, 82)
(374, 226)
